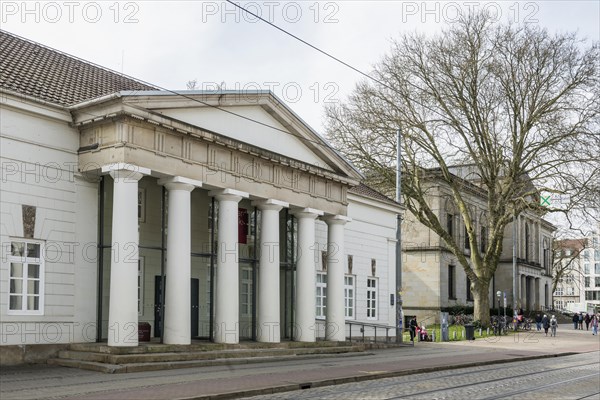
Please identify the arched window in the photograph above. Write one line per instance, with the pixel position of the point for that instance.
(483, 232)
(450, 217)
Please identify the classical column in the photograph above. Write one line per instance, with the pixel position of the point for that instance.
(123, 302)
(305, 275)
(227, 277)
(268, 324)
(177, 327)
(335, 327)
(523, 292)
(536, 290)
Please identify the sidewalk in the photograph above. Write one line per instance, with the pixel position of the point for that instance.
(31, 382)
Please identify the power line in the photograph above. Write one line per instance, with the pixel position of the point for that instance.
(312, 46)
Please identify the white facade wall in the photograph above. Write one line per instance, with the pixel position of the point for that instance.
(39, 164)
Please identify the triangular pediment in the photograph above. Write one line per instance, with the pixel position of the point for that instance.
(258, 119)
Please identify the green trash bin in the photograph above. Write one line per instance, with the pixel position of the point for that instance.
(469, 332)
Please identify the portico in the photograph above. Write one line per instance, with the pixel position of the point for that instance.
(217, 219)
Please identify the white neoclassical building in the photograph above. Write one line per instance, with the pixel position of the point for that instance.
(205, 215)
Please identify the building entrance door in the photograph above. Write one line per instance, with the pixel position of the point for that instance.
(194, 309)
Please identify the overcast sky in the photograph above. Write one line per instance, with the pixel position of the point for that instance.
(168, 43)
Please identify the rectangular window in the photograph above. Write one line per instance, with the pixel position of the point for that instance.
(140, 287)
(586, 268)
(597, 268)
(587, 281)
(469, 293)
(592, 295)
(569, 278)
(26, 278)
(597, 281)
(371, 298)
(467, 244)
(349, 296)
(570, 291)
(559, 291)
(246, 292)
(321, 294)
(452, 282)
(141, 205)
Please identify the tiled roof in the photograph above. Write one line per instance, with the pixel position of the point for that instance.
(367, 191)
(34, 70)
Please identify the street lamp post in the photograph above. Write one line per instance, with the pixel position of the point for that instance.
(498, 295)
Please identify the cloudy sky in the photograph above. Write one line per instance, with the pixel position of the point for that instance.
(169, 43)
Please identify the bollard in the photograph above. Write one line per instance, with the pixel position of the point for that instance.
(433, 335)
(463, 335)
(479, 331)
(454, 335)
(488, 332)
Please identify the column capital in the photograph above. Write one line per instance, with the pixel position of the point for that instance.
(270, 204)
(180, 183)
(125, 171)
(306, 213)
(228, 194)
(336, 219)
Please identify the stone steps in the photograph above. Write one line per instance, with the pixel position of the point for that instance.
(99, 357)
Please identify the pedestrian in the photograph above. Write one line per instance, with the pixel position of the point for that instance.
(553, 326)
(546, 323)
(538, 321)
(580, 316)
(594, 323)
(413, 328)
(587, 319)
(575, 320)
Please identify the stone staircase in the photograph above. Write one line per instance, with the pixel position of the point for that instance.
(155, 356)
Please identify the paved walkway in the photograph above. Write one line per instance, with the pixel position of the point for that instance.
(41, 382)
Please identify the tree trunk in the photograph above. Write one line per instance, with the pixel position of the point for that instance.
(482, 303)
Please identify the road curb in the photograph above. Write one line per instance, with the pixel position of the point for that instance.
(362, 378)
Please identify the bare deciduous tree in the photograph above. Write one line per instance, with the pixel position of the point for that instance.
(516, 103)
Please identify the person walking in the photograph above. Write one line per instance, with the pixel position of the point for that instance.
(594, 323)
(575, 320)
(553, 326)
(413, 328)
(587, 319)
(538, 322)
(546, 323)
(580, 320)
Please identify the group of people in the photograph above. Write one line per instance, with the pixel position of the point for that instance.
(593, 320)
(546, 323)
(417, 331)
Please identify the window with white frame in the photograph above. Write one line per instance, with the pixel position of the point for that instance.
(597, 281)
(569, 278)
(586, 268)
(349, 296)
(570, 291)
(246, 292)
(587, 281)
(321, 294)
(26, 278)
(371, 298)
(597, 268)
(559, 291)
(141, 286)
